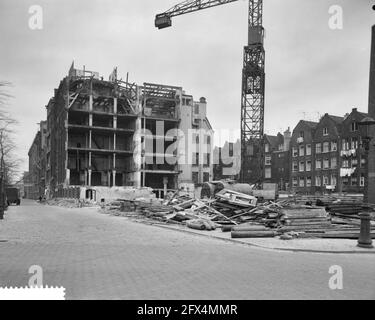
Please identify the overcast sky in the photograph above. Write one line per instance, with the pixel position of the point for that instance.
(310, 68)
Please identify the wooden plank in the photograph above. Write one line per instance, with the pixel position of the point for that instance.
(253, 234)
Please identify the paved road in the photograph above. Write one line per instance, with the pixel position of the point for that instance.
(96, 256)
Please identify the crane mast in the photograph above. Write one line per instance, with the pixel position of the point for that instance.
(253, 82)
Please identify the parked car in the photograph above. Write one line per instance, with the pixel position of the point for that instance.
(12, 196)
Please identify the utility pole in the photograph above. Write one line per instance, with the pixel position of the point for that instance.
(370, 183)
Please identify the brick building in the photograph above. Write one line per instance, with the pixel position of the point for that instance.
(352, 155)
(302, 157)
(326, 153)
(277, 159)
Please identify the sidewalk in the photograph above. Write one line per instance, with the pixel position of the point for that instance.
(296, 245)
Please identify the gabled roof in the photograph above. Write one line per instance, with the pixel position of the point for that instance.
(337, 119)
(273, 140)
(311, 124)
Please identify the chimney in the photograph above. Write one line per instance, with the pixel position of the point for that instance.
(287, 139)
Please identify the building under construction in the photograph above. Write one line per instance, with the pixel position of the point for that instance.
(116, 133)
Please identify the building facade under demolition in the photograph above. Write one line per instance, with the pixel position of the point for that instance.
(116, 133)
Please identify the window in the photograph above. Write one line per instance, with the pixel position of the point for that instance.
(295, 152)
(295, 166)
(295, 182)
(333, 180)
(326, 164)
(333, 163)
(195, 159)
(308, 149)
(208, 159)
(308, 165)
(301, 134)
(325, 131)
(354, 126)
(354, 144)
(345, 181)
(268, 160)
(195, 177)
(345, 144)
(301, 151)
(318, 148)
(267, 173)
(301, 166)
(267, 148)
(325, 147)
(301, 182)
(333, 146)
(281, 147)
(231, 152)
(354, 181)
(354, 163)
(345, 163)
(362, 181)
(208, 140)
(363, 162)
(206, 176)
(318, 164)
(196, 109)
(325, 180)
(308, 182)
(318, 181)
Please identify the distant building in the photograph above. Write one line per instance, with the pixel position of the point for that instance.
(277, 159)
(352, 157)
(35, 183)
(327, 156)
(113, 133)
(302, 156)
(227, 161)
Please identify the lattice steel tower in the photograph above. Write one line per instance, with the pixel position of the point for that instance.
(253, 82)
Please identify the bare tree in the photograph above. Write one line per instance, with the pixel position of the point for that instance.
(9, 164)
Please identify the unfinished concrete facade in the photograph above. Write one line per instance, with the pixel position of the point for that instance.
(114, 133)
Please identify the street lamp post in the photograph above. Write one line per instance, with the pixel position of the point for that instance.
(366, 124)
(366, 133)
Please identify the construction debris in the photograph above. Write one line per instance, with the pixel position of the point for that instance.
(247, 216)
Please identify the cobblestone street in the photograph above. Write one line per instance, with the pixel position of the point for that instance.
(96, 256)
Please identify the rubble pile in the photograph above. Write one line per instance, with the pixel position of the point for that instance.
(69, 203)
(246, 217)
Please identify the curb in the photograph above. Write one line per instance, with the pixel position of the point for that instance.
(257, 245)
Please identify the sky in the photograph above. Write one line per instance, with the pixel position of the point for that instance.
(311, 68)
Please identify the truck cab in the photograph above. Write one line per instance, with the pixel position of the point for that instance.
(12, 196)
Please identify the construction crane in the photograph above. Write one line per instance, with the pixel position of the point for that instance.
(253, 82)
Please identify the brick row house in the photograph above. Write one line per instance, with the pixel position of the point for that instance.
(327, 155)
(302, 159)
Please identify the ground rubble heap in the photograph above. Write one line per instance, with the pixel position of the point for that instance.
(246, 216)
